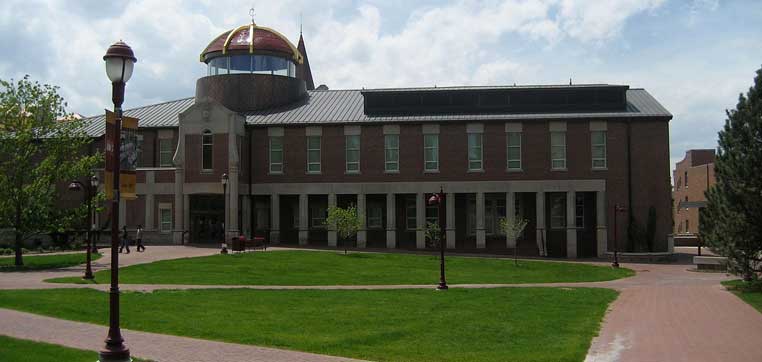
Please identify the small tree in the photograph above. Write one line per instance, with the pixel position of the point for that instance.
(40, 145)
(731, 224)
(347, 222)
(433, 234)
(512, 228)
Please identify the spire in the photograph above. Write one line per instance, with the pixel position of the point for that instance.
(303, 70)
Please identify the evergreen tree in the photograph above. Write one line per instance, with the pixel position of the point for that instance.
(732, 222)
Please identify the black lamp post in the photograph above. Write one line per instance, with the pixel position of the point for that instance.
(225, 203)
(119, 60)
(78, 186)
(617, 210)
(439, 199)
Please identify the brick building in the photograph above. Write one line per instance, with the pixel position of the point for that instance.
(693, 175)
(560, 156)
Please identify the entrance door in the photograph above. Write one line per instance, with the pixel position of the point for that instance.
(207, 218)
(555, 214)
(585, 218)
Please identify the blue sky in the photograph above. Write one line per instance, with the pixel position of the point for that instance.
(695, 57)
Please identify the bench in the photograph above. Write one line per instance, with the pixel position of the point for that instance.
(709, 263)
(256, 242)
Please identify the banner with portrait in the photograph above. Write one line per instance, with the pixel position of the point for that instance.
(128, 156)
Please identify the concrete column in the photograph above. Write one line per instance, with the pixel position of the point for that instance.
(245, 221)
(231, 223)
(510, 215)
(601, 230)
(177, 234)
(571, 227)
(362, 234)
(303, 219)
(540, 207)
(420, 221)
(391, 221)
(150, 206)
(274, 219)
(481, 234)
(450, 220)
(332, 237)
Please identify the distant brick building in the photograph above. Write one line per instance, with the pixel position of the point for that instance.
(560, 156)
(693, 176)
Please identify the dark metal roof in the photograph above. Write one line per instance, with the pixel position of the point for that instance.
(493, 87)
(346, 106)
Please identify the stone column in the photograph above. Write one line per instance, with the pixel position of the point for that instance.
(420, 221)
(177, 234)
(274, 219)
(391, 221)
(246, 217)
(481, 237)
(303, 219)
(540, 207)
(362, 234)
(450, 220)
(571, 226)
(231, 224)
(332, 237)
(601, 230)
(510, 215)
(149, 202)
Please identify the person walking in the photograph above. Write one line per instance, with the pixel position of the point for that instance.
(125, 240)
(139, 238)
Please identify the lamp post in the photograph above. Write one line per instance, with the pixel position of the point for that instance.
(617, 209)
(78, 186)
(225, 218)
(438, 200)
(119, 60)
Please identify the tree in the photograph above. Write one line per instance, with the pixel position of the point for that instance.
(433, 234)
(347, 222)
(512, 228)
(731, 225)
(40, 145)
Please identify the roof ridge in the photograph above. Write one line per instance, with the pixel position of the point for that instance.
(149, 105)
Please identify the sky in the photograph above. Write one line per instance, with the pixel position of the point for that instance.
(693, 56)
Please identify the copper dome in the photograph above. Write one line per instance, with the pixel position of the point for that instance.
(251, 39)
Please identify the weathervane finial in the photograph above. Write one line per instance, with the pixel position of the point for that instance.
(251, 13)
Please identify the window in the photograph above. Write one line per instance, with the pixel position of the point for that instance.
(475, 152)
(686, 179)
(206, 150)
(313, 154)
(392, 152)
(558, 150)
(165, 153)
(557, 211)
(579, 210)
(431, 152)
(514, 150)
(432, 214)
(375, 217)
(317, 216)
(276, 154)
(494, 210)
(353, 153)
(165, 219)
(598, 143)
(410, 221)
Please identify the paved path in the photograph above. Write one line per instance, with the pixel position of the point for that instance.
(158, 347)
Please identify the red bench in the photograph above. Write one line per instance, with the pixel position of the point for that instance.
(256, 242)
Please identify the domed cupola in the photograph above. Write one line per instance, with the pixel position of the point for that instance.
(250, 68)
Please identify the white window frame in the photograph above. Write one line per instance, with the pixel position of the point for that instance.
(509, 146)
(207, 133)
(388, 161)
(167, 152)
(349, 164)
(319, 153)
(275, 167)
(165, 227)
(602, 162)
(318, 214)
(480, 161)
(435, 148)
(558, 163)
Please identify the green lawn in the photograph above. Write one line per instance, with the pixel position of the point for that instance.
(331, 268)
(750, 293)
(37, 262)
(505, 324)
(20, 350)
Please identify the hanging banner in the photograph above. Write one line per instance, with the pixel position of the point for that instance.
(128, 156)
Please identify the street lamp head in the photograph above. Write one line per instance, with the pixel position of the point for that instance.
(75, 186)
(119, 62)
(224, 179)
(94, 181)
(434, 199)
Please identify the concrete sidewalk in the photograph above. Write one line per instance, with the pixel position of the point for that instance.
(157, 347)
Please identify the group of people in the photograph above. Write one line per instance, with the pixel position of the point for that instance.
(125, 244)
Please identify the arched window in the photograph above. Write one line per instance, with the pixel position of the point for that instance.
(206, 150)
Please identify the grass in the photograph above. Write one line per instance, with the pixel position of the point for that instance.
(18, 350)
(750, 292)
(38, 262)
(330, 268)
(517, 324)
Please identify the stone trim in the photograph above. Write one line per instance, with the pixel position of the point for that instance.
(430, 128)
(513, 127)
(475, 128)
(313, 131)
(275, 131)
(352, 130)
(557, 126)
(598, 126)
(391, 129)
